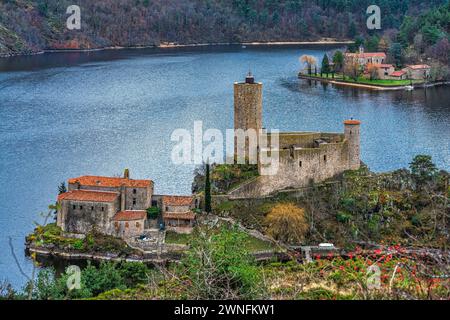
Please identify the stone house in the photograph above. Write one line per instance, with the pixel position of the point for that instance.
(385, 70)
(82, 211)
(177, 213)
(418, 71)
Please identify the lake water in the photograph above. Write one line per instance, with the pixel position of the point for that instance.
(69, 114)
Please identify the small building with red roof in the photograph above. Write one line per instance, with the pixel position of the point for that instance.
(398, 75)
(177, 213)
(129, 223)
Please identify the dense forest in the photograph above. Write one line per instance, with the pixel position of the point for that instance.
(28, 26)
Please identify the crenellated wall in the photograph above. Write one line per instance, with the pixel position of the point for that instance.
(304, 158)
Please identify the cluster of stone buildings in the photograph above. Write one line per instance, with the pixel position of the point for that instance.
(118, 207)
(387, 71)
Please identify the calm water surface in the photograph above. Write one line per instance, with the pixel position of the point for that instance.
(69, 114)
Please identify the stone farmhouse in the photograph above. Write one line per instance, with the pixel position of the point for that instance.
(117, 206)
(304, 157)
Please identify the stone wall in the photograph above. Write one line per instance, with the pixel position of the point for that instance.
(301, 164)
(129, 229)
(137, 198)
(83, 216)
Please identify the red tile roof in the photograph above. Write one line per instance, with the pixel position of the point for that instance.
(383, 65)
(91, 196)
(110, 182)
(129, 215)
(352, 122)
(367, 55)
(398, 73)
(178, 200)
(179, 216)
(419, 66)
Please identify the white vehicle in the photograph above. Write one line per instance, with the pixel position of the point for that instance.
(326, 245)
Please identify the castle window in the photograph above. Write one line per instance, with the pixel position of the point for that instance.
(134, 191)
(74, 207)
(92, 208)
(300, 164)
(138, 224)
(126, 225)
(325, 158)
(103, 208)
(116, 224)
(81, 207)
(134, 201)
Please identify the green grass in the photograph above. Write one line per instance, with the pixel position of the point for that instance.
(177, 238)
(382, 82)
(253, 244)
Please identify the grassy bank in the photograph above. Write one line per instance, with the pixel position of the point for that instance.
(362, 80)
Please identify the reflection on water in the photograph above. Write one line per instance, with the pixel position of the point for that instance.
(70, 114)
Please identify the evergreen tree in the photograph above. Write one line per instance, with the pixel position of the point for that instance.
(207, 190)
(423, 169)
(338, 60)
(396, 54)
(325, 65)
(62, 188)
(372, 44)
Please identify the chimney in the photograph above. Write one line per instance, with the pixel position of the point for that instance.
(126, 174)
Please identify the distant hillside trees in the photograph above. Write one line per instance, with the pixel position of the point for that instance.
(40, 24)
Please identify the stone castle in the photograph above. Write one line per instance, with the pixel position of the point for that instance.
(304, 157)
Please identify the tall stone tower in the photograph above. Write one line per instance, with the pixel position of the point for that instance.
(352, 135)
(247, 106)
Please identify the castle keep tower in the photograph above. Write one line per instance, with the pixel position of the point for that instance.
(247, 106)
(352, 135)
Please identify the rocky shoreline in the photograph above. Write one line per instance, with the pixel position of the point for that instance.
(174, 45)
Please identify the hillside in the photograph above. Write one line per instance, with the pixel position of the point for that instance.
(34, 25)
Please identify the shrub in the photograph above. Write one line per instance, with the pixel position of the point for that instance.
(219, 267)
(153, 212)
(287, 222)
